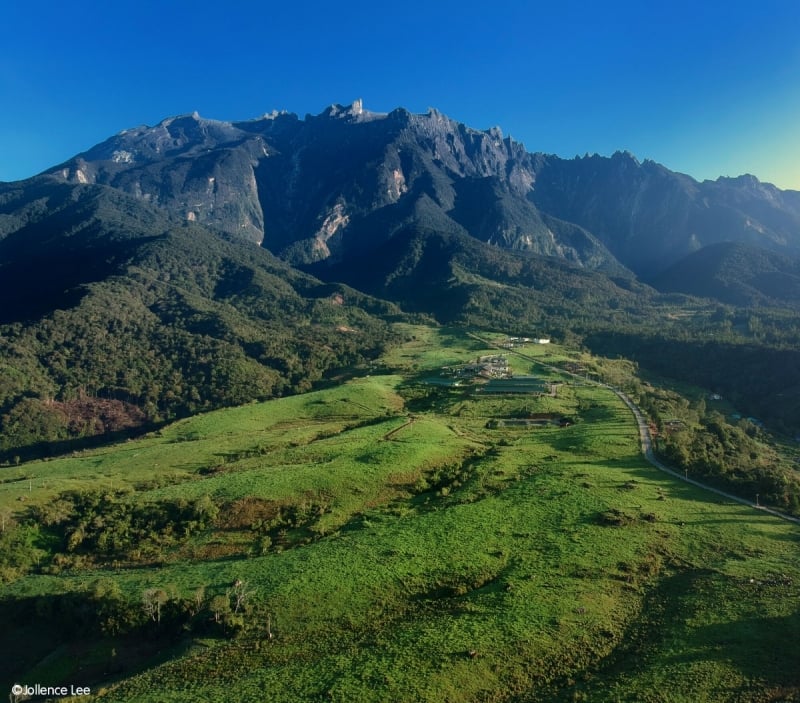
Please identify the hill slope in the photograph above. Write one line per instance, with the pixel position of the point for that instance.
(381, 540)
(459, 279)
(736, 274)
(106, 300)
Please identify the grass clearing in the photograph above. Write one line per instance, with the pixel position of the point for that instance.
(451, 561)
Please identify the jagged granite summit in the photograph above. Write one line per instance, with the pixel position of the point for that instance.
(333, 186)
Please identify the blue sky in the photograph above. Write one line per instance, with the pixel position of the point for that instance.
(708, 88)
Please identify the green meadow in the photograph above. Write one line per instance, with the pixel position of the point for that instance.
(389, 542)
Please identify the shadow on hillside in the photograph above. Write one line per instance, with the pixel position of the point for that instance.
(51, 450)
(764, 651)
(456, 337)
(36, 280)
(66, 628)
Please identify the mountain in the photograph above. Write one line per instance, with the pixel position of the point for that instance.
(651, 217)
(460, 280)
(339, 184)
(115, 315)
(737, 274)
(335, 186)
(385, 538)
(196, 264)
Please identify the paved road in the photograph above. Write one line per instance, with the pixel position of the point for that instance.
(647, 450)
(646, 438)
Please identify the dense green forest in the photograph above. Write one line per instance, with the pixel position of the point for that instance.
(735, 456)
(159, 321)
(759, 375)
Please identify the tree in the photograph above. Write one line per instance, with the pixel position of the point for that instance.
(220, 606)
(5, 519)
(113, 612)
(240, 594)
(198, 600)
(152, 601)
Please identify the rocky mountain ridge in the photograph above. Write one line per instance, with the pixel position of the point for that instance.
(334, 186)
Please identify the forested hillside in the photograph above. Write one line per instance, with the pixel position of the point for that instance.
(115, 316)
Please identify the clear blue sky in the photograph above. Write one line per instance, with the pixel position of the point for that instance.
(706, 88)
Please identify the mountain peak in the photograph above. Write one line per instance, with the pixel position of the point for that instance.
(625, 155)
(189, 117)
(743, 179)
(320, 188)
(354, 111)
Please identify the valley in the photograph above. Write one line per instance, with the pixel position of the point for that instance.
(270, 428)
(386, 538)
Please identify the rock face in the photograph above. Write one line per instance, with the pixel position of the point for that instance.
(201, 170)
(334, 186)
(651, 217)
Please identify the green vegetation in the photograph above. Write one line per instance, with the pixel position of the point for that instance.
(117, 318)
(701, 434)
(752, 361)
(734, 453)
(384, 540)
(748, 355)
(164, 321)
(355, 525)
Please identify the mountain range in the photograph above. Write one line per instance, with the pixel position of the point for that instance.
(337, 185)
(200, 263)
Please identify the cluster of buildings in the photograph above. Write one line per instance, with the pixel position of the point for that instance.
(490, 366)
(512, 342)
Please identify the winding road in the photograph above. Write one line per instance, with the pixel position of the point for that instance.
(649, 455)
(645, 436)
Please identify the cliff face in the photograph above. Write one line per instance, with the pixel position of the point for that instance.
(337, 185)
(651, 217)
(200, 170)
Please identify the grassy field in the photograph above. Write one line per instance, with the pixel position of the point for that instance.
(437, 559)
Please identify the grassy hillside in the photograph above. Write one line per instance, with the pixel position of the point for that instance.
(389, 539)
